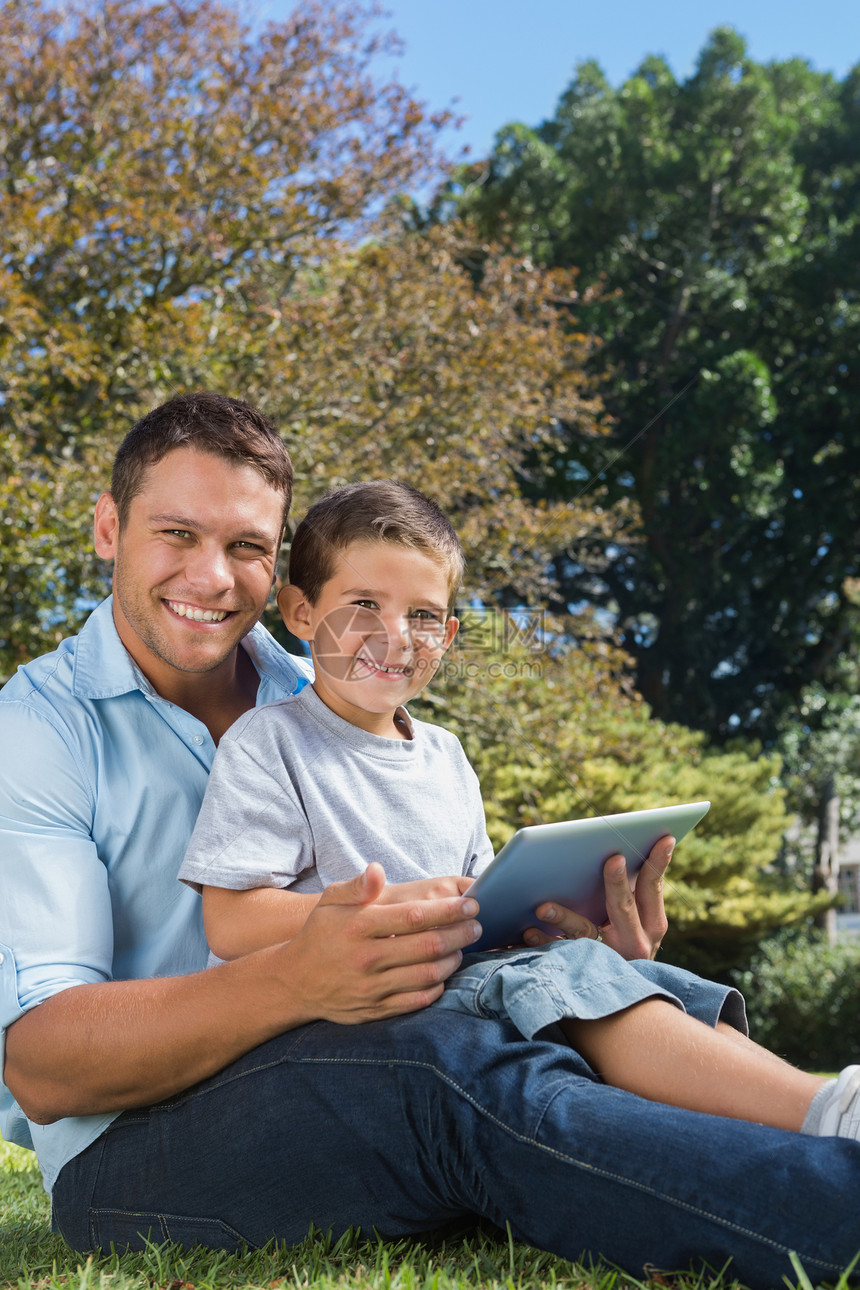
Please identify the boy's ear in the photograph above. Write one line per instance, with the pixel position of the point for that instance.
(452, 626)
(295, 611)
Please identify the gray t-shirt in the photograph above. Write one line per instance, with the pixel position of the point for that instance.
(299, 798)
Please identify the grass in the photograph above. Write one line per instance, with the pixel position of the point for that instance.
(30, 1256)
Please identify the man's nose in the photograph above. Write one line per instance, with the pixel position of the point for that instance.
(210, 569)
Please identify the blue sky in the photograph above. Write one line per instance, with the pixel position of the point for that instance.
(510, 60)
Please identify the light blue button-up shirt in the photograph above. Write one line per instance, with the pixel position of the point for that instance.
(100, 784)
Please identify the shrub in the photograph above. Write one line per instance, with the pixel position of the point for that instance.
(802, 996)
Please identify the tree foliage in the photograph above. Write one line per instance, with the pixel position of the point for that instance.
(820, 746)
(150, 156)
(719, 215)
(154, 153)
(392, 362)
(181, 204)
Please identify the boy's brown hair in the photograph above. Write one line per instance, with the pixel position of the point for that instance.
(382, 510)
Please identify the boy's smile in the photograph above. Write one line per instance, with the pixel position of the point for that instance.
(378, 631)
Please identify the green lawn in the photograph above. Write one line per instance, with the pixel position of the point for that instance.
(31, 1257)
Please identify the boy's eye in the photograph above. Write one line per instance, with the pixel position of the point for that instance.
(366, 604)
(426, 624)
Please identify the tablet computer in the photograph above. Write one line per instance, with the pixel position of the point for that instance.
(564, 862)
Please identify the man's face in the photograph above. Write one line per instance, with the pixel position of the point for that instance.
(193, 562)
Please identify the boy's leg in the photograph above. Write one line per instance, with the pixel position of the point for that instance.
(630, 1021)
(405, 1124)
(658, 1052)
(536, 988)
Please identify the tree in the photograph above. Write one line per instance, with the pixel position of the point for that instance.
(719, 217)
(390, 361)
(181, 207)
(820, 747)
(185, 204)
(46, 574)
(152, 158)
(152, 154)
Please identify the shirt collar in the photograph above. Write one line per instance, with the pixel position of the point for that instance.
(104, 668)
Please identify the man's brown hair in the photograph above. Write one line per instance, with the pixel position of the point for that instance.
(207, 422)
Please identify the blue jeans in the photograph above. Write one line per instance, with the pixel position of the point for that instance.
(408, 1124)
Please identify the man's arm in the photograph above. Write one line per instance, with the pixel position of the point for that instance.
(107, 1047)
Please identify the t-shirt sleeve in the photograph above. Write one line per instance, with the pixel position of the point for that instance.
(482, 856)
(251, 830)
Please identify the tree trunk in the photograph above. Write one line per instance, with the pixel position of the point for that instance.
(825, 876)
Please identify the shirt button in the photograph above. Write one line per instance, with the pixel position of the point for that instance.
(197, 739)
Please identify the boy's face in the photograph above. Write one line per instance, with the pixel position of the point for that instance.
(377, 631)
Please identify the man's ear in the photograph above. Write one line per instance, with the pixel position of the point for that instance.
(295, 611)
(106, 527)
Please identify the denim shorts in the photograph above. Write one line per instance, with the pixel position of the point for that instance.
(583, 979)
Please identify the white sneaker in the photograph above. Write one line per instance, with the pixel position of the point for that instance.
(840, 1116)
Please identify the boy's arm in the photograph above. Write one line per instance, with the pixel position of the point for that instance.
(238, 922)
(250, 842)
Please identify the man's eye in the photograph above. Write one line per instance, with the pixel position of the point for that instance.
(180, 533)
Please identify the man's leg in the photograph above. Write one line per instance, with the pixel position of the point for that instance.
(404, 1125)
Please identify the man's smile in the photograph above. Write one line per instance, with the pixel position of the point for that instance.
(195, 613)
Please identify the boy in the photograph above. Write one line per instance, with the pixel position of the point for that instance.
(304, 790)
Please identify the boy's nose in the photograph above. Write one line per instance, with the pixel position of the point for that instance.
(399, 630)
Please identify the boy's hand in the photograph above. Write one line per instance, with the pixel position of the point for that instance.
(636, 920)
(364, 953)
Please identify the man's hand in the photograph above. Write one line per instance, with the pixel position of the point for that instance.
(369, 951)
(394, 893)
(636, 920)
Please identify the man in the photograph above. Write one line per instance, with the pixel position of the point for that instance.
(202, 1106)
